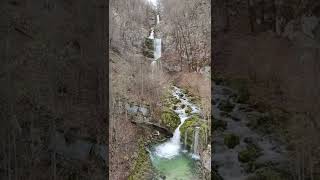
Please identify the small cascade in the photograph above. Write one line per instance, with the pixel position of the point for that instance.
(196, 141)
(151, 36)
(172, 158)
(158, 18)
(157, 48)
(185, 139)
(153, 68)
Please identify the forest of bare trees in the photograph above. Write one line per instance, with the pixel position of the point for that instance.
(188, 23)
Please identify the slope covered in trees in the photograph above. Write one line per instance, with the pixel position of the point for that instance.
(145, 111)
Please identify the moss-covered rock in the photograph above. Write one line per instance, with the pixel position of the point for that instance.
(249, 154)
(170, 119)
(188, 110)
(189, 126)
(241, 85)
(170, 101)
(231, 140)
(219, 125)
(268, 174)
(148, 48)
(142, 166)
(263, 123)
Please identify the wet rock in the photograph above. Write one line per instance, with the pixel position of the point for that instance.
(308, 24)
(248, 140)
(226, 106)
(235, 118)
(269, 173)
(226, 92)
(219, 125)
(231, 140)
(144, 111)
(316, 32)
(249, 154)
(100, 151)
(133, 109)
(78, 149)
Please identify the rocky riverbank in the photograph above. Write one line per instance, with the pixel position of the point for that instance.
(198, 147)
(244, 146)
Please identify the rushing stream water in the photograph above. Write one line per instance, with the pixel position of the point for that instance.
(171, 158)
(237, 121)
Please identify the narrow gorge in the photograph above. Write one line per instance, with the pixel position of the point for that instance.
(164, 104)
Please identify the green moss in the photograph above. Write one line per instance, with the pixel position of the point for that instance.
(241, 85)
(142, 165)
(262, 123)
(170, 119)
(249, 154)
(148, 53)
(148, 48)
(148, 43)
(231, 140)
(188, 110)
(268, 174)
(189, 126)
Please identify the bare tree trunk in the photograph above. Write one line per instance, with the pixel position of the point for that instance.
(226, 7)
(274, 4)
(54, 166)
(9, 156)
(15, 157)
(251, 12)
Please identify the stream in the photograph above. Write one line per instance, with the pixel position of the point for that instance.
(226, 160)
(170, 158)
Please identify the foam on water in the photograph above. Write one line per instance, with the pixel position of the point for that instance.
(172, 147)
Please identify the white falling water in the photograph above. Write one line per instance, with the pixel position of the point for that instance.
(185, 138)
(153, 68)
(158, 18)
(157, 48)
(172, 148)
(151, 34)
(196, 141)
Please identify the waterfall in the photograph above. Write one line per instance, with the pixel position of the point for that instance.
(157, 48)
(153, 68)
(185, 139)
(172, 147)
(158, 18)
(151, 34)
(196, 141)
